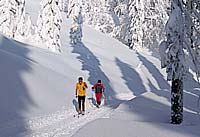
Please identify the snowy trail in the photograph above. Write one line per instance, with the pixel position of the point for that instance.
(63, 123)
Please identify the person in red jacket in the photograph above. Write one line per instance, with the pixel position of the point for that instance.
(99, 89)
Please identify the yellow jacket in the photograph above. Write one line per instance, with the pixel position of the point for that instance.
(81, 88)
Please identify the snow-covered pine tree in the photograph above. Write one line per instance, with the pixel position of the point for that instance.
(155, 16)
(111, 4)
(61, 4)
(192, 32)
(65, 6)
(49, 25)
(136, 13)
(24, 28)
(71, 5)
(5, 19)
(11, 12)
(136, 23)
(76, 29)
(172, 58)
(95, 13)
(122, 31)
(189, 14)
(147, 22)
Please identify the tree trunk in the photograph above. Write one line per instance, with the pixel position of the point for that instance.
(177, 101)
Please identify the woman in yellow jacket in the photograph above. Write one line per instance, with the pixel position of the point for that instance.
(81, 93)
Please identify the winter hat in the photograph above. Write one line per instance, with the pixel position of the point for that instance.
(80, 79)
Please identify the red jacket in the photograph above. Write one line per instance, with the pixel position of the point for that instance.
(95, 87)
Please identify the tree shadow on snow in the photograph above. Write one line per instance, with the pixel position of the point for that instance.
(91, 64)
(163, 86)
(144, 108)
(14, 96)
(132, 78)
(191, 93)
(190, 98)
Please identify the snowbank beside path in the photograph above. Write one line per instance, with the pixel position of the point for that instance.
(126, 128)
(28, 88)
(144, 116)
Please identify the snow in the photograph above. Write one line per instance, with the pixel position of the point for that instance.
(123, 128)
(145, 115)
(33, 8)
(37, 90)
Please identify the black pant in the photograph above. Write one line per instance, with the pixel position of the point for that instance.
(99, 103)
(81, 99)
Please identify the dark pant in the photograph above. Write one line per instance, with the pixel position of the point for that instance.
(81, 100)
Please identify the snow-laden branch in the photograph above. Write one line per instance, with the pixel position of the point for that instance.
(194, 60)
(49, 25)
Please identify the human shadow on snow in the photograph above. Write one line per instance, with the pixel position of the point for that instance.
(92, 100)
(75, 103)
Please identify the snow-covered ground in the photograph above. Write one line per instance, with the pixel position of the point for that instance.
(37, 91)
(144, 116)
